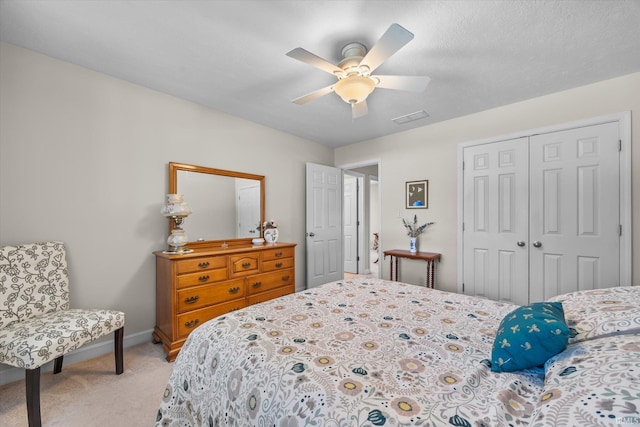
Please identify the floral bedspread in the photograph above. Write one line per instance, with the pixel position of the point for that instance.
(361, 352)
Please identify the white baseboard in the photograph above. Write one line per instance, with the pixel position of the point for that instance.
(9, 374)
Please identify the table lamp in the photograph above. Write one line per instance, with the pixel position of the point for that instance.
(177, 209)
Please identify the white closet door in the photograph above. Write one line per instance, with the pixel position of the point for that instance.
(496, 216)
(574, 210)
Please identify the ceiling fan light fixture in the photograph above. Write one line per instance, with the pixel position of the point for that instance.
(354, 89)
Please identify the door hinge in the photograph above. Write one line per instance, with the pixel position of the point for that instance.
(620, 229)
(463, 226)
(463, 288)
(619, 145)
(358, 258)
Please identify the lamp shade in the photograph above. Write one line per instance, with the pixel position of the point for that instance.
(175, 206)
(354, 89)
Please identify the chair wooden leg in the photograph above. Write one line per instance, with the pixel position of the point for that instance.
(32, 380)
(119, 350)
(57, 365)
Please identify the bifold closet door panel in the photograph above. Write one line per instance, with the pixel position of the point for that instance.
(574, 210)
(496, 216)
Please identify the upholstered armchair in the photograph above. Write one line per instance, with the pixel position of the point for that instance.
(36, 323)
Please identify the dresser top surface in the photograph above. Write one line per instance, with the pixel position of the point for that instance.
(211, 251)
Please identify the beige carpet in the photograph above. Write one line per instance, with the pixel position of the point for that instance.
(89, 393)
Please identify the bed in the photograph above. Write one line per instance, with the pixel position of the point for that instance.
(371, 352)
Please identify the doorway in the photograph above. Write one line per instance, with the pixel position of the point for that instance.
(361, 213)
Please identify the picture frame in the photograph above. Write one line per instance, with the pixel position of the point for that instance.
(417, 194)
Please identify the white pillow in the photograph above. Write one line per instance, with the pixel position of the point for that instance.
(601, 312)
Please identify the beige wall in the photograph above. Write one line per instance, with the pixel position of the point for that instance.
(83, 159)
(430, 153)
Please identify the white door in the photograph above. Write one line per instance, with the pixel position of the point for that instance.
(350, 224)
(575, 210)
(496, 228)
(324, 224)
(249, 211)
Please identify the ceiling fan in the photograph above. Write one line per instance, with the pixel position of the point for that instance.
(355, 81)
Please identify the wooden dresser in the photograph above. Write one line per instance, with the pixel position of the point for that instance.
(195, 287)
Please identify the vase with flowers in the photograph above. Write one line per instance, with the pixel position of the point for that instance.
(413, 231)
(270, 231)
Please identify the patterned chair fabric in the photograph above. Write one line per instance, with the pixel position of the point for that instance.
(36, 324)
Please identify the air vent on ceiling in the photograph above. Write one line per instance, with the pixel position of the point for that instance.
(411, 117)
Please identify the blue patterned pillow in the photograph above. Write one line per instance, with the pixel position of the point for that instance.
(528, 336)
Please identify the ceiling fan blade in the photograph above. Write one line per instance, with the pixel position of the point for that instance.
(390, 42)
(358, 110)
(309, 58)
(410, 83)
(313, 95)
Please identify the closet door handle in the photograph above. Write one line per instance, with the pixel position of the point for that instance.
(521, 243)
(537, 244)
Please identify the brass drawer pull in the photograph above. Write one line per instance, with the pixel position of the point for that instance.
(234, 309)
(192, 299)
(278, 254)
(191, 323)
(278, 264)
(204, 264)
(285, 278)
(246, 264)
(203, 278)
(257, 284)
(234, 290)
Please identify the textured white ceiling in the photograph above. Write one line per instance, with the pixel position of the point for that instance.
(230, 55)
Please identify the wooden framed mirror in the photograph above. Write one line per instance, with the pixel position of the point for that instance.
(227, 206)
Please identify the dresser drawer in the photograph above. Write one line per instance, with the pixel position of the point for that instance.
(278, 253)
(277, 264)
(266, 296)
(187, 322)
(201, 277)
(200, 296)
(199, 264)
(241, 265)
(267, 281)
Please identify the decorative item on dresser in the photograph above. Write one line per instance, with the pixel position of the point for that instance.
(209, 282)
(177, 209)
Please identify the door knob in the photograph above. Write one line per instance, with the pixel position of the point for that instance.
(311, 234)
(537, 244)
(521, 243)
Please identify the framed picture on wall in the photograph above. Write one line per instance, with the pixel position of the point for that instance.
(417, 194)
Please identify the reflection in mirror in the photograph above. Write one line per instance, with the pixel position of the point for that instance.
(227, 206)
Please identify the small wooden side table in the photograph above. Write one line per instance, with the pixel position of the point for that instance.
(429, 257)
